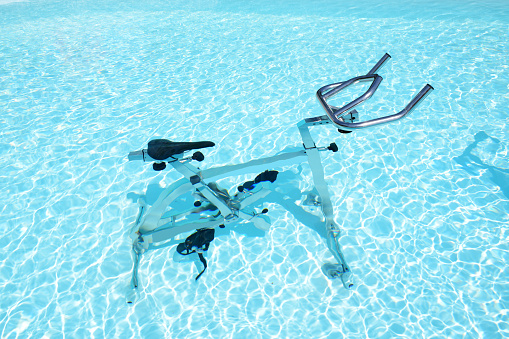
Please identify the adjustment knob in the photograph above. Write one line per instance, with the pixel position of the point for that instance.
(333, 147)
(198, 156)
(158, 166)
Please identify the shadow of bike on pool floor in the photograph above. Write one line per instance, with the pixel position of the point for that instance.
(472, 163)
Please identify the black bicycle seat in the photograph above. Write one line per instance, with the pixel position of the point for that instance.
(161, 149)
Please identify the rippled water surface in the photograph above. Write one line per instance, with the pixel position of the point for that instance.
(423, 204)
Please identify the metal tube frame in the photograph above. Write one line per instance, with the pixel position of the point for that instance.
(336, 114)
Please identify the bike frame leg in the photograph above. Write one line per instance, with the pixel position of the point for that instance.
(341, 269)
(138, 250)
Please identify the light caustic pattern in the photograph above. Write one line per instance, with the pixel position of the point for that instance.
(423, 204)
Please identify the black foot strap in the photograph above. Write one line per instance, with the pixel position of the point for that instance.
(199, 240)
(204, 262)
(264, 176)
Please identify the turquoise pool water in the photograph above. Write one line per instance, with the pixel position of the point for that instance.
(423, 204)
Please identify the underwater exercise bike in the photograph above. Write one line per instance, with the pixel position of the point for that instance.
(157, 225)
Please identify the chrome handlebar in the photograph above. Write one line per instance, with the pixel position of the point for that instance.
(335, 114)
(381, 63)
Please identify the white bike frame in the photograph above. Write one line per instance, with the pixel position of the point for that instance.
(156, 225)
